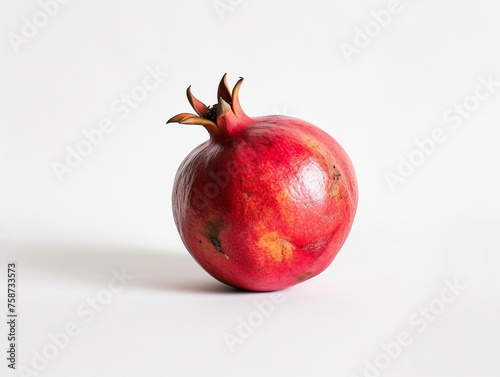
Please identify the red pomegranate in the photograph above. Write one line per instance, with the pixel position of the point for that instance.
(267, 202)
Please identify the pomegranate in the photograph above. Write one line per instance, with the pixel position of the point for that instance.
(266, 202)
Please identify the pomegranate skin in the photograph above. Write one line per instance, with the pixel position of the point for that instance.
(267, 202)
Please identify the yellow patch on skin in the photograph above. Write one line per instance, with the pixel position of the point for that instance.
(312, 144)
(278, 249)
(282, 198)
(285, 206)
(334, 191)
(316, 149)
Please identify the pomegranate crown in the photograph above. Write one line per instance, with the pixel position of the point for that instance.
(218, 118)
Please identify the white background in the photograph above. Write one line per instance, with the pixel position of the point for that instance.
(113, 212)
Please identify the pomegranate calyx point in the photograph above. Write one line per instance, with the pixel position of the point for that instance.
(214, 118)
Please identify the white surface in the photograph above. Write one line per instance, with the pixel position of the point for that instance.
(113, 211)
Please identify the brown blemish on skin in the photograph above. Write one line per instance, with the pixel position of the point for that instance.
(335, 173)
(216, 242)
(214, 229)
(334, 183)
(316, 247)
(303, 277)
